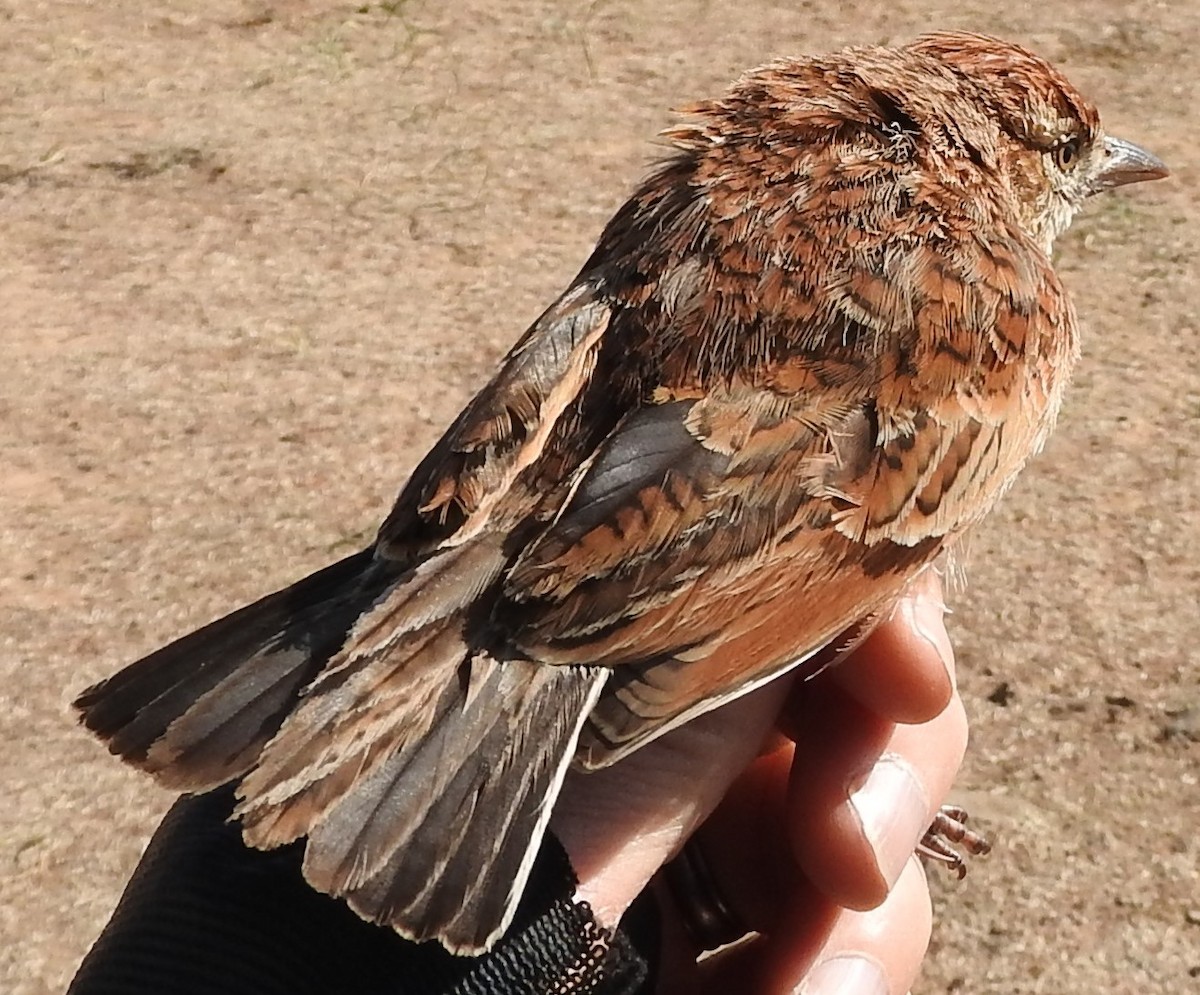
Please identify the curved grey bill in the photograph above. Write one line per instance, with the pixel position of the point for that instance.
(1125, 162)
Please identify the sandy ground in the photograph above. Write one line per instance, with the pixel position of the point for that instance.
(256, 255)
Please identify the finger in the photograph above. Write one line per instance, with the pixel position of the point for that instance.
(846, 804)
(877, 952)
(904, 671)
(817, 948)
(862, 793)
(748, 845)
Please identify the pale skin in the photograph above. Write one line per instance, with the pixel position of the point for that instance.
(819, 792)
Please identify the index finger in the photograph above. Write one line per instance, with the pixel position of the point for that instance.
(904, 671)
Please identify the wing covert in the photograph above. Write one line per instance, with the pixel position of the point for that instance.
(464, 485)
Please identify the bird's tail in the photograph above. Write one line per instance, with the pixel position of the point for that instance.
(359, 714)
(197, 712)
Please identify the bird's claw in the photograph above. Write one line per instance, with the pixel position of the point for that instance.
(947, 840)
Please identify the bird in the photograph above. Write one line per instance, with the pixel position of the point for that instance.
(811, 350)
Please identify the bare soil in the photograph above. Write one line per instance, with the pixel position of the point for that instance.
(256, 255)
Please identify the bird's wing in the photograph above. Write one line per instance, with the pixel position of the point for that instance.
(358, 707)
(721, 536)
(506, 448)
(421, 768)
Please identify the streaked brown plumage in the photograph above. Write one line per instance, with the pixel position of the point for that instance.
(811, 350)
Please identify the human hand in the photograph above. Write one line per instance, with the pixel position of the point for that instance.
(811, 843)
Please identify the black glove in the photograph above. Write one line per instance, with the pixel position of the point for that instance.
(203, 913)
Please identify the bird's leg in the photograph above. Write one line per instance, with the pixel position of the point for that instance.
(949, 827)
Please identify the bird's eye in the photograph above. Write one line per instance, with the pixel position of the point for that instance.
(1066, 153)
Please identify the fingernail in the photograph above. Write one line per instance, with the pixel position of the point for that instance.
(846, 974)
(893, 809)
(927, 615)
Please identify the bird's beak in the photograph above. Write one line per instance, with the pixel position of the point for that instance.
(1123, 162)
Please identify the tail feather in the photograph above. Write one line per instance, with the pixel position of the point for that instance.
(243, 673)
(451, 864)
(359, 712)
(226, 729)
(337, 737)
(377, 696)
(429, 819)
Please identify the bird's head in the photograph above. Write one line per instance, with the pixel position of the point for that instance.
(1053, 149)
(954, 123)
